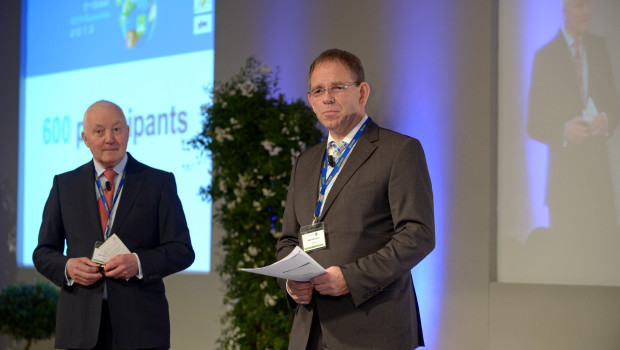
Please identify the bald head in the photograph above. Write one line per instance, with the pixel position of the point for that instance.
(104, 104)
(577, 15)
(106, 132)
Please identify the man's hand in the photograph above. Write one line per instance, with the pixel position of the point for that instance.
(331, 283)
(576, 130)
(301, 292)
(83, 271)
(121, 266)
(598, 126)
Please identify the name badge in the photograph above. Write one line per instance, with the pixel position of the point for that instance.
(313, 237)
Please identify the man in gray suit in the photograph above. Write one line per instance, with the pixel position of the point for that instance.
(361, 205)
(122, 304)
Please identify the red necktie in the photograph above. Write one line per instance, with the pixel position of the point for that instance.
(103, 213)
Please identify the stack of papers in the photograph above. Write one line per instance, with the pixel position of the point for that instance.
(297, 266)
(112, 247)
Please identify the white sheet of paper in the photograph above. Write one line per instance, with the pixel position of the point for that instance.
(112, 247)
(589, 112)
(297, 266)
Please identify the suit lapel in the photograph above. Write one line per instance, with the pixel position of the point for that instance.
(361, 152)
(310, 173)
(565, 64)
(131, 188)
(85, 188)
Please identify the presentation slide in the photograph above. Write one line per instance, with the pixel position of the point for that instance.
(153, 58)
(559, 145)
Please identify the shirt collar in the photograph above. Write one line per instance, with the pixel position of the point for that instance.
(569, 38)
(351, 133)
(118, 168)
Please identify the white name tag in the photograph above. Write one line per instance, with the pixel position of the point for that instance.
(313, 237)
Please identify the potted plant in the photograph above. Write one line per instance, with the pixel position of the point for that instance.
(28, 311)
(253, 136)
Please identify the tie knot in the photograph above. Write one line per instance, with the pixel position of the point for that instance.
(109, 174)
(338, 147)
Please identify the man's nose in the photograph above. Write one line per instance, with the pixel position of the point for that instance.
(327, 97)
(109, 138)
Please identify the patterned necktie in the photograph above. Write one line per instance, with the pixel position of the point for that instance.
(578, 62)
(103, 213)
(338, 148)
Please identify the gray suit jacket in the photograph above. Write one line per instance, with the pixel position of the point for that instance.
(149, 220)
(379, 224)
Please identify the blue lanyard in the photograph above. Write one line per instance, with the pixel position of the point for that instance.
(105, 203)
(326, 180)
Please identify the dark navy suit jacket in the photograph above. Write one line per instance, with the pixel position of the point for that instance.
(150, 222)
(579, 182)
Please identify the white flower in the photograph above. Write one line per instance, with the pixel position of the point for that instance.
(247, 88)
(242, 182)
(263, 284)
(257, 206)
(252, 250)
(268, 145)
(268, 193)
(285, 131)
(222, 185)
(294, 154)
(239, 192)
(231, 205)
(224, 104)
(270, 300)
(222, 134)
(273, 151)
(264, 69)
(276, 234)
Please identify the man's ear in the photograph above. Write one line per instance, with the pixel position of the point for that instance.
(84, 138)
(364, 93)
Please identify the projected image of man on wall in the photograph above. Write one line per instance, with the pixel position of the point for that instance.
(574, 109)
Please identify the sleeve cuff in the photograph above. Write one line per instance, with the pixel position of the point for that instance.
(139, 275)
(68, 280)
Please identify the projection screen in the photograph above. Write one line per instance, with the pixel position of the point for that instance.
(559, 147)
(153, 58)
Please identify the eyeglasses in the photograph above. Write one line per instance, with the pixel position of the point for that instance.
(335, 90)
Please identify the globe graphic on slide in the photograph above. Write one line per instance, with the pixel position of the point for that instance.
(137, 20)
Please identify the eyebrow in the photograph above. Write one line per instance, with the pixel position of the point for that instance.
(335, 83)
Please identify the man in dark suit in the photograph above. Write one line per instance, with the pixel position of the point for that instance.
(122, 304)
(370, 225)
(571, 74)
